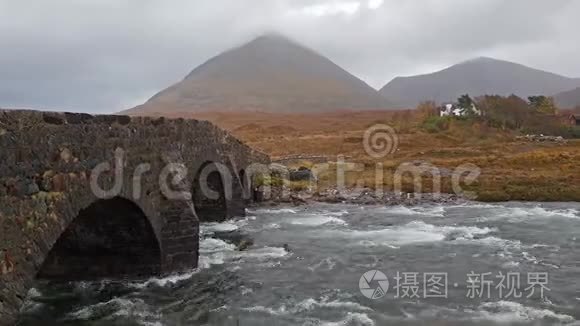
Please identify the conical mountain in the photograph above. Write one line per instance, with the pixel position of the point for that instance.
(476, 77)
(271, 74)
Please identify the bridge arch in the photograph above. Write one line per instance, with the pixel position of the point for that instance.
(46, 179)
(211, 192)
(109, 238)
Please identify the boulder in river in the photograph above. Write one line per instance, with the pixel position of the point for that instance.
(302, 174)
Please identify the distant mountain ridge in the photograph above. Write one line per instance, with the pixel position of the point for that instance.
(476, 77)
(569, 99)
(271, 74)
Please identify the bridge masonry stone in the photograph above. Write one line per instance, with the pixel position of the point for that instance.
(46, 163)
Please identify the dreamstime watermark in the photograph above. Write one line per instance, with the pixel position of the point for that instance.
(173, 179)
(212, 181)
(380, 140)
(374, 285)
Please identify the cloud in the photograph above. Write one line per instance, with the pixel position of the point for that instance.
(107, 55)
(374, 4)
(330, 9)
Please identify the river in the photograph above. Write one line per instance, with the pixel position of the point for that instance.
(470, 264)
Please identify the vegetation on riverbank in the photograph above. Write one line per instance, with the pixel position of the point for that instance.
(511, 168)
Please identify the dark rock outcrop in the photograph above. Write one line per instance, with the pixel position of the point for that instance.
(302, 174)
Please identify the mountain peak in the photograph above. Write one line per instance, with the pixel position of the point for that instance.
(476, 77)
(273, 40)
(272, 37)
(270, 73)
(482, 59)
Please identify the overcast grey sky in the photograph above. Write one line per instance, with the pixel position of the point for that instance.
(103, 56)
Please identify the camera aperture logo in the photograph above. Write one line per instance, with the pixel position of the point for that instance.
(373, 284)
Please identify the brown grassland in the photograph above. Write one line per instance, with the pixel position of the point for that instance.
(510, 169)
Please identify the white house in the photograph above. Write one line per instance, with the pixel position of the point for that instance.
(454, 110)
(448, 110)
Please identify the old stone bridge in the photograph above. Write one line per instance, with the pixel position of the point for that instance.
(85, 196)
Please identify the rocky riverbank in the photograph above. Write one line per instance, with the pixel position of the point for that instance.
(365, 196)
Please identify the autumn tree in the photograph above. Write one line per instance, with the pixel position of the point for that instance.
(406, 121)
(510, 112)
(543, 104)
(427, 110)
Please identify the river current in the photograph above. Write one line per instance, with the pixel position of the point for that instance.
(470, 264)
